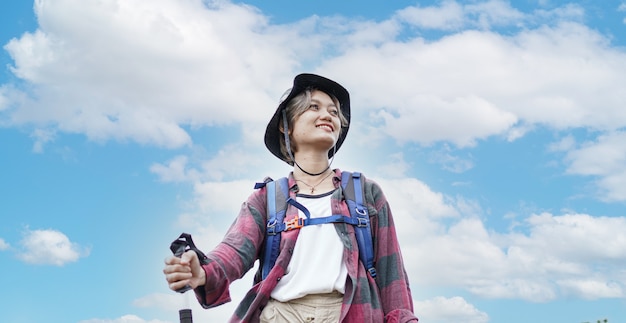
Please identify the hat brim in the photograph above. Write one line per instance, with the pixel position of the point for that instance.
(300, 83)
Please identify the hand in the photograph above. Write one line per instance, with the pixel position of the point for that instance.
(183, 271)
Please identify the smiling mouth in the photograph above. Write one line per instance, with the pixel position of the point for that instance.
(325, 126)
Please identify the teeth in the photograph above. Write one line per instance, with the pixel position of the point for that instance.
(325, 126)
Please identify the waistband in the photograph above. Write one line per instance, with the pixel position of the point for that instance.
(331, 299)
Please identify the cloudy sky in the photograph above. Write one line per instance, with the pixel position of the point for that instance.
(499, 130)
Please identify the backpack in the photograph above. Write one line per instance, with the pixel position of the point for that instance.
(278, 199)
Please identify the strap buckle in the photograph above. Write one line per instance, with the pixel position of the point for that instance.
(271, 227)
(372, 272)
(362, 222)
(295, 223)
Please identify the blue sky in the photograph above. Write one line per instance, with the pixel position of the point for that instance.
(499, 130)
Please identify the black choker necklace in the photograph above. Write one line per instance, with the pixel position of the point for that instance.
(312, 174)
(312, 187)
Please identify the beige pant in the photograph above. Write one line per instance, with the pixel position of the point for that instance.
(316, 308)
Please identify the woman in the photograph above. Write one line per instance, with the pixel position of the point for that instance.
(317, 276)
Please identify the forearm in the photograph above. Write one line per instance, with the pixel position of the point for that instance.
(233, 257)
(392, 280)
(219, 273)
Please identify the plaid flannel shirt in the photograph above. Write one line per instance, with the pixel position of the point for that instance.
(384, 299)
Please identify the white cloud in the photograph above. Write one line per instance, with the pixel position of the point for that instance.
(592, 288)
(518, 131)
(494, 13)
(4, 245)
(449, 310)
(578, 237)
(217, 197)
(466, 119)
(604, 159)
(228, 162)
(452, 15)
(565, 144)
(550, 257)
(395, 167)
(141, 70)
(446, 243)
(472, 85)
(49, 247)
(410, 194)
(144, 71)
(175, 170)
(449, 15)
(41, 137)
(167, 302)
(451, 162)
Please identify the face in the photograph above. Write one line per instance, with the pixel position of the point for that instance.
(318, 127)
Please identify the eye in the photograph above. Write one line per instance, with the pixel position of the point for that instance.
(334, 112)
(314, 107)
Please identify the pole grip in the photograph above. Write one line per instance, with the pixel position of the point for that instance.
(185, 315)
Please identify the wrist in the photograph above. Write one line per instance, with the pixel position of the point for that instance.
(201, 277)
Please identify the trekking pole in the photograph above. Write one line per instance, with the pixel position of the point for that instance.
(179, 246)
(185, 315)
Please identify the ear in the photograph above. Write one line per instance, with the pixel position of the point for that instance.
(282, 129)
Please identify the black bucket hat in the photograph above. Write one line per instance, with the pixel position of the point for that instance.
(300, 83)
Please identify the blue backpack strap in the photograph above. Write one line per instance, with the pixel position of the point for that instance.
(277, 200)
(275, 216)
(358, 210)
(337, 218)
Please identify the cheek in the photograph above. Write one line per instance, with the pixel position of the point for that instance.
(298, 133)
(338, 127)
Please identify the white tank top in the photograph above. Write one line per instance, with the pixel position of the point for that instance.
(317, 264)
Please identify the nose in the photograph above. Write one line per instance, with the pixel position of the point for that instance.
(326, 115)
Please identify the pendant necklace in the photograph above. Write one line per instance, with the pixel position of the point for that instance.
(314, 186)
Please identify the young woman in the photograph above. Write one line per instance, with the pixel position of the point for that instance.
(318, 276)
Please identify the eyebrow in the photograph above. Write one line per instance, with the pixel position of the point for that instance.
(332, 103)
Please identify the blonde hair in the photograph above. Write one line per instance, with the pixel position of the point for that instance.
(296, 107)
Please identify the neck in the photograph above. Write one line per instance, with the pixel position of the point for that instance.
(311, 165)
(313, 183)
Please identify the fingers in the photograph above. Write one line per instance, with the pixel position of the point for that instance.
(177, 276)
(176, 281)
(183, 270)
(171, 260)
(176, 268)
(188, 257)
(176, 273)
(185, 259)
